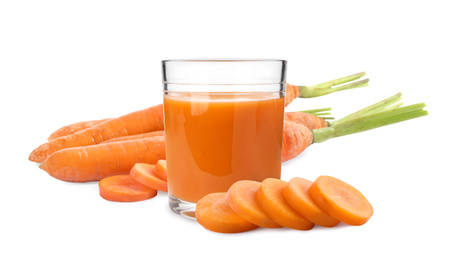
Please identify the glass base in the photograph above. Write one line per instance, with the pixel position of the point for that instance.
(181, 207)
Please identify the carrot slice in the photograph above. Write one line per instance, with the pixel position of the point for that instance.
(161, 169)
(144, 173)
(270, 199)
(241, 198)
(297, 195)
(213, 213)
(341, 200)
(123, 188)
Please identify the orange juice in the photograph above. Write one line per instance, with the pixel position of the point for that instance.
(213, 140)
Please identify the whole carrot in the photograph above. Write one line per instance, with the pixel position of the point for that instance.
(92, 163)
(147, 120)
(82, 163)
(298, 137)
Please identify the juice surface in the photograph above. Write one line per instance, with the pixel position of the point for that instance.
(214, 140)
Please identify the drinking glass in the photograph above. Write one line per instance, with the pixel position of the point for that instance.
(223, 123)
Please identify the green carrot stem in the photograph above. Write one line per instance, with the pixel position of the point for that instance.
(322, 114)
(393, 106)
(339, 81)
(370, 109)
(314, 111)
(369, 122)
(327, 87)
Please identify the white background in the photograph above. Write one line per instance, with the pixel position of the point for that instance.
(68, 61)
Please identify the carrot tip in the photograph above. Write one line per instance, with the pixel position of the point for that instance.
(32, 157)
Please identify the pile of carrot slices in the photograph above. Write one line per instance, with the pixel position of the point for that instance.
(298, 204)
(273, 203)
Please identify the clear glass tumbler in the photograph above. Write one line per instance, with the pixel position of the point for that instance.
(223, 123)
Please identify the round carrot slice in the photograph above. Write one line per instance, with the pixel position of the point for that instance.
(270, 199)
(214, 214)
(341, 200)
(123, 188)
(161, 169)
(296, 193)
(144, 173)
(241, 198)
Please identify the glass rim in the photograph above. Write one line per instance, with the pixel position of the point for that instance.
(229, 73)
(223, 60)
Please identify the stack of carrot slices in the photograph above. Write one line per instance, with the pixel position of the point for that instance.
(273, 203)
(142, 183)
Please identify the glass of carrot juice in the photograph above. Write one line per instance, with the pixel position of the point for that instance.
(223, 123)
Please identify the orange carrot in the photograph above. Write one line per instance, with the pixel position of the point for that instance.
(161, 169)
(341, 200)
(144, 173)
(296, 138)
(92, 163)
(214, 214)
(72, 128)
(147, 120)
(291, 93)
(241, 198)
(271, 201)
(123, 188)
(296, 193)
(134, 137)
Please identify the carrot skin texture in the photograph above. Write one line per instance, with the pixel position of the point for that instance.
(291, 92)
(123, 188)
(241, 199)
(296, 193)
(214, 214)
(270, 199)
(75, 127)
(95, 162)
(341, 200)
(144, 173)
(296, 138)
(135, 137)
(142, 121)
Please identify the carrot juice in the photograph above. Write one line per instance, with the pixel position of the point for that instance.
(216, 139)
